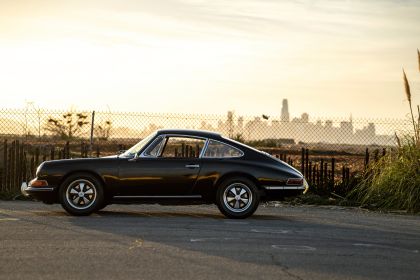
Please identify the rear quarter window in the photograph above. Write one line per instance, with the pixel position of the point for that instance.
(216, 149)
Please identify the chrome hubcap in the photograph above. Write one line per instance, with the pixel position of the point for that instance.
(81, 194)
(237, 197)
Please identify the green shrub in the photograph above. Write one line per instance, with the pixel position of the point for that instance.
(393, 182)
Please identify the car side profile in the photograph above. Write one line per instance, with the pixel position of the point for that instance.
(169, 167)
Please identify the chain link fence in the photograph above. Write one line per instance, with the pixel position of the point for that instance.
(328, 149)
(47, 125)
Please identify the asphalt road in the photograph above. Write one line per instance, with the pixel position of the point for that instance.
(40, 241)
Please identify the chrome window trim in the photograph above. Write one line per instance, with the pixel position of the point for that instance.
(210, 139)
(204, 148)
(142, 155)
(163, 144)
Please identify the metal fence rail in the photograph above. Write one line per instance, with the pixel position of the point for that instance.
(38, 124)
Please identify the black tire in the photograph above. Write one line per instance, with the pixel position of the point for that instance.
(237, 197)
(48, 202)
(105, 203)
(81, 194)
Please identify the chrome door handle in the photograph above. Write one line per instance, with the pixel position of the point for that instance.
(192, 166)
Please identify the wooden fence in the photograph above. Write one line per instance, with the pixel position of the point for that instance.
(19, 162)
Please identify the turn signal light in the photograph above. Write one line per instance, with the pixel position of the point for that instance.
(294, 182)
(35, 183)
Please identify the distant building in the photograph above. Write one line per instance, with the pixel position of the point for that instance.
(285, 116)
(305, 118)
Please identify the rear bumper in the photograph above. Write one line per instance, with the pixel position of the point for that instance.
(282, 191)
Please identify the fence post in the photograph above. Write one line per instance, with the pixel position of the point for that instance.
(314, 174)
(333, 170)
(33, 167)
(310, 172)
(5, 168)
(347, 175)
(92, 126)
(67, 150)
(37, 156)
(12, 165)
(21, 164)
(302, 163)
(326, 172)
(82, 149)
(376, 155)
(25, 169)
(17, 165)
(317, 175)
(366, 157)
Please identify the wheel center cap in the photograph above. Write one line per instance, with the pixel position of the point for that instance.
(237, 197)
(81, 194)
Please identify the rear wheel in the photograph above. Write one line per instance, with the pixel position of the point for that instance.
(237, 197)
(81, 194)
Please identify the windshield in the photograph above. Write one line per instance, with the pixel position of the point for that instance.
(136, 148)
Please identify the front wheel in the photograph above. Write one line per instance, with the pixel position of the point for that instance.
(81, 194)
(237, 198)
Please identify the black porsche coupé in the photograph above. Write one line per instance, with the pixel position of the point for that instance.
(169, 167)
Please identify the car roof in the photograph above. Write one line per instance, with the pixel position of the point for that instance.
(191, 132)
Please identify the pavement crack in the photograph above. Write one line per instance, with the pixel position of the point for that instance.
(283, 267)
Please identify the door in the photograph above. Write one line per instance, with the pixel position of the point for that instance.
(168, 167)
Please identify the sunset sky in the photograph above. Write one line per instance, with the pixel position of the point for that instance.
(328, 58)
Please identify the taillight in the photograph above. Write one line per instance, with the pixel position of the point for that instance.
(294, 182)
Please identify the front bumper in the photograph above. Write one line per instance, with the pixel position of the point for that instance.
(47, 193)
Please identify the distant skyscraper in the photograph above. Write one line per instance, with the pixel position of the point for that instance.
(285, 111)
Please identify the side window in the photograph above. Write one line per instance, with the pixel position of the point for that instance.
(154, 148)
(182, 147)
(217, 149)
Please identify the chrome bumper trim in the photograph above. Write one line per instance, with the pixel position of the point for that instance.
(284, 187)
(44, 189)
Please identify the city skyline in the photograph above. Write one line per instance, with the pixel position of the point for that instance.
(299, 129)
